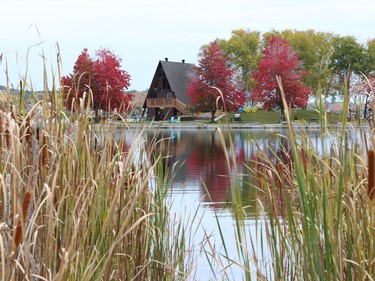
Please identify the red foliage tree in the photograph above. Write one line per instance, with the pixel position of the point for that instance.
(79, 82)
(103, 76)
(213, 70)
(280, 60)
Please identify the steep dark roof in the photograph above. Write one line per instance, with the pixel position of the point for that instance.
(178, 75)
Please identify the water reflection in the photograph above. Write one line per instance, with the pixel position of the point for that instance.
(203, 163)
(197, 160)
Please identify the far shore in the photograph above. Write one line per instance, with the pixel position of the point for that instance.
(241, 126)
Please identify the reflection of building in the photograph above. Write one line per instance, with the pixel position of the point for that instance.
(167, 94)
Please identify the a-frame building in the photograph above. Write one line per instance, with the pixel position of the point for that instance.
(166, 96)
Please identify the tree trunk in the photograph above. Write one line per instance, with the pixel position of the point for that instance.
(282, 114)
(213, 115)
(365, 115)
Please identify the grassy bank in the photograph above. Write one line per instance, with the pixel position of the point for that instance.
(83, 205)
(298, 115)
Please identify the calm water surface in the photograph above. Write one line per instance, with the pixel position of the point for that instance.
(201, 186)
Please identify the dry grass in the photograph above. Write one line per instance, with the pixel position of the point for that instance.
(318, 203)
(78, 203)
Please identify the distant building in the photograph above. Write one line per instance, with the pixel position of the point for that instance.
(166, 96)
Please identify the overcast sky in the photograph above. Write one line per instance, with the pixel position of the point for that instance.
(142, 32)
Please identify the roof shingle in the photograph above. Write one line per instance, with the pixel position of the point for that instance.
(178, 75)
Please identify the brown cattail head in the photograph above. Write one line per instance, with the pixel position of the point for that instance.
(1, 122)
(8, 138)
(45, 156)
(29, 132)
(18, 236)
(26, 204)
(371, 174)
(1, 128)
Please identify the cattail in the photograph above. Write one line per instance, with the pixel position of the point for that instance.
(7, 134)
(26, 204)
(1, 122)
(18, 235)
(7, 138)
(1, 128)
(371, 174)
(29, 132)
(25, 208)
(45, 156)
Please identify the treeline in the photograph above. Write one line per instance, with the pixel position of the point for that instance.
(16, 91)
(328, 58)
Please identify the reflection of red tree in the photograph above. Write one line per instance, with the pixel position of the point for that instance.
(258, 168)
(269, 171)
(210, 161)
(195, 160)
(240, 155)
(219, 192)
(273, 179)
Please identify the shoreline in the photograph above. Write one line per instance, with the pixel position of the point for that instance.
(239, 126)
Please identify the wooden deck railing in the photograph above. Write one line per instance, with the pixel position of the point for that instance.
(160, 102)
(165, 102)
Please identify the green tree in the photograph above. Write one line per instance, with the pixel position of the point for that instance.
(314, 49)
(349, 58)
(244, 50)
(371, 55)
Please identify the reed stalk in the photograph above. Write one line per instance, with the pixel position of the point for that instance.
(78, 202)
(317, 204)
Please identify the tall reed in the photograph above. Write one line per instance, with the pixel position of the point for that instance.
(318, 205)
(80, 203)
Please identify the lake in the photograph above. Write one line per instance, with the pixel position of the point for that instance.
(201, 181)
